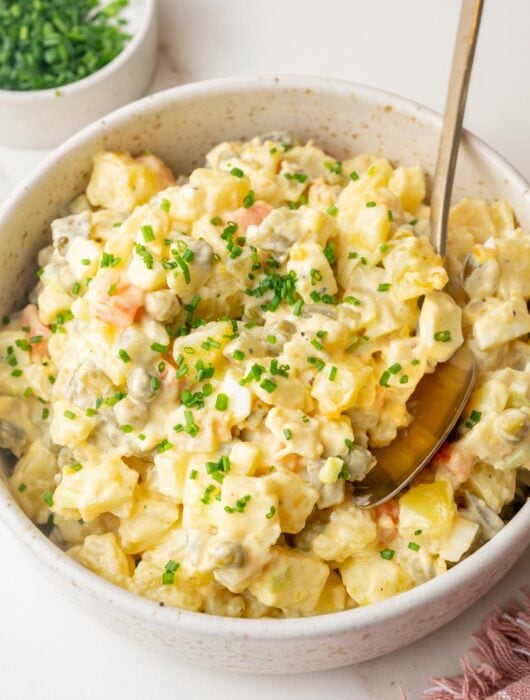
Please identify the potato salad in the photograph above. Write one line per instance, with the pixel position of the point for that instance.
(206, 362)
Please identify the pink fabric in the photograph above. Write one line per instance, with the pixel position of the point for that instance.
(498, 668)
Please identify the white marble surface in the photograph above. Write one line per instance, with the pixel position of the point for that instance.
(49, 649)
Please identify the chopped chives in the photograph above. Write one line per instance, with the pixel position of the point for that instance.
(332, 374)
(221, 403)
(148, 233)
(298, 307)
(124, 355)
(268, 385)
(249, 199)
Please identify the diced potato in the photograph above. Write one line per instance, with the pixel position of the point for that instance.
(34, 475)
(244, 457)
(296, 500)
(83, 258)
(171, 471)
(303, 438)
(501, 322)
(151, 517)
(472, 215)
(249, 516)
(371, 578)
(312, 270)
(102, 555)
(429, 508)
(334, 597)
(440, 326)
(121, 182)
(249, 520)
(340, 393)
(70, 425)
(349, 532)
(105, 488)
(409, 185)
(222, 191)
(291, 580)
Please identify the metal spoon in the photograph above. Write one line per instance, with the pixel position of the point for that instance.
(439, 399)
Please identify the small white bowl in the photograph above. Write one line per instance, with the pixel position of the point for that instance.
(45, 118)
(181, 125)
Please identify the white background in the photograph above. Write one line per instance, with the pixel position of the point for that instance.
(49, 649)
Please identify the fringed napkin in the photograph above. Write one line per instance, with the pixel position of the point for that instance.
(498, 668)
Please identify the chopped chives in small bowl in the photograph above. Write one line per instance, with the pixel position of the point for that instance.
(52, 43)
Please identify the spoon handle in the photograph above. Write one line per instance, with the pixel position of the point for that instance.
(464, 51)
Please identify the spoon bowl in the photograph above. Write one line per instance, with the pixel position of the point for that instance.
(397, 464)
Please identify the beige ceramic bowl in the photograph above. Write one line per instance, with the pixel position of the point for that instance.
(181, 125)
(45, 118)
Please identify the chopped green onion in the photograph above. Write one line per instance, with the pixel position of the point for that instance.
(237, 172)
(268, 385)
(288, 433)
(69, 414)
(148, 233)
(249, 199)
(124, 355)
(384, 287)
(414, 546)
(221, 403)
(332, 374)
(165, 205)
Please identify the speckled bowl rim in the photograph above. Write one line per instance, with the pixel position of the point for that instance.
(21, 96)
(263, 629)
